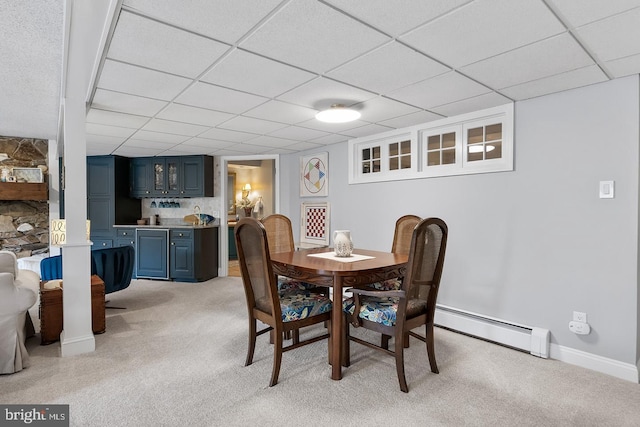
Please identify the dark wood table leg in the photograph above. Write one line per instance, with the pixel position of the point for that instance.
(336, 329)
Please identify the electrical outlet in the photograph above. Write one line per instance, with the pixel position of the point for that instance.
(579, 316)
(579, 328)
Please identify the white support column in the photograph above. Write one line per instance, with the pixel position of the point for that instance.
(77, 335)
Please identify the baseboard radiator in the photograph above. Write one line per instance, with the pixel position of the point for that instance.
(530, 339)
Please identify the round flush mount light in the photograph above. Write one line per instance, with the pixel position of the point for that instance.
(338, 113)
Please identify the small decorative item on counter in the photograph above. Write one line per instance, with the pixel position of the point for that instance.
(153, 204)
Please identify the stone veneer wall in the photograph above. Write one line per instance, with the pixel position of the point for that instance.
(24, 225)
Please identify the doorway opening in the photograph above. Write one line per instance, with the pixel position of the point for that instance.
(250, 189)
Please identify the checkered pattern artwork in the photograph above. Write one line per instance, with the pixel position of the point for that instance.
(315, 223)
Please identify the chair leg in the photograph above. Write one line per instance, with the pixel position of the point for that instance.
(431, 348)
(277, 358)
(252, 342)
(295, 336)
(406, 340)
(384, 341)
(399, 352)
(346, 352)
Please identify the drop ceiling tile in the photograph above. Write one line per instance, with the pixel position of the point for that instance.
(440, 90)
(535, 61)
(134, 80)
(98, 129)
(116, 119)
(369, 129)
(488, 100)
(614, 37)
(387, 68)
(124, 103)
(159, 137)
(178, 128)
(302, 146)
(219, 98)
(411, 119)
(256, 74)
(270, 142)
(298, 133)
(146, 143)
(225, 20)
(313, 36)
(321, 93)
(248, 124)
(624, 66)
(194, 115)
(578, 13)
(569, 80)
(227, 135)
(396, 17)
(186, 150)
(482, 29)
(105, 139)
(380, 108)
(330, 139)
(207, 143)
(245, 148)
(134, 35)
(138, 152)
(229, 151)
(282, 112)
(100, 149)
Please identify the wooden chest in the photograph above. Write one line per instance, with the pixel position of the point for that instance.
(51, 311)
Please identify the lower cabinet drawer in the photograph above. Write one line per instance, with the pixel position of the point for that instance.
(102, 243)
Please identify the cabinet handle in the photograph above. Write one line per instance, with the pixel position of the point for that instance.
(173, 244)
(180, 234)
(104, 244)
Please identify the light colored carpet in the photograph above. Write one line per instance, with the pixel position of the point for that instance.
(175, 357)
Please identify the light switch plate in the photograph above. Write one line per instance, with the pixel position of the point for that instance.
(606, 189)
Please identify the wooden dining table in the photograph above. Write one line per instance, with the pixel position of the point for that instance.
(330, 272)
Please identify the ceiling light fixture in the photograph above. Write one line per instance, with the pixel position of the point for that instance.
(338, 113)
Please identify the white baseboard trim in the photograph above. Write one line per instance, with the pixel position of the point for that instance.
(519, 336)
(615, 368)
(79, 345)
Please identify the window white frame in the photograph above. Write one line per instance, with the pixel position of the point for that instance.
(418, 135)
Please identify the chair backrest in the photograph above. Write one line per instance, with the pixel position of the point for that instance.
(114, 266)
(9, 263)
(279, 233)
(403, 233)
(261, 289)
(426, 258)
(51, 268)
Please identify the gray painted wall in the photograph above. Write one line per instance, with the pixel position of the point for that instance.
(532, 245)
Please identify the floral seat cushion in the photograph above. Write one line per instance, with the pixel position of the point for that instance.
(286, 284)
(296, 305)
(383, 310)
(387, 285)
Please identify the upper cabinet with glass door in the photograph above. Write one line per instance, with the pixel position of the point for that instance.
(179, 176)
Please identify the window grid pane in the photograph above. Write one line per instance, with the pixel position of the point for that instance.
(441, 149)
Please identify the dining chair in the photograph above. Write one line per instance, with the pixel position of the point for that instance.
(396, 312)
(280, 238)
(401, 244)
(282, 312)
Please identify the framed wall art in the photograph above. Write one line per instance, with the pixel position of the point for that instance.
(314, 223)
(314, 175)
(27, 174)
